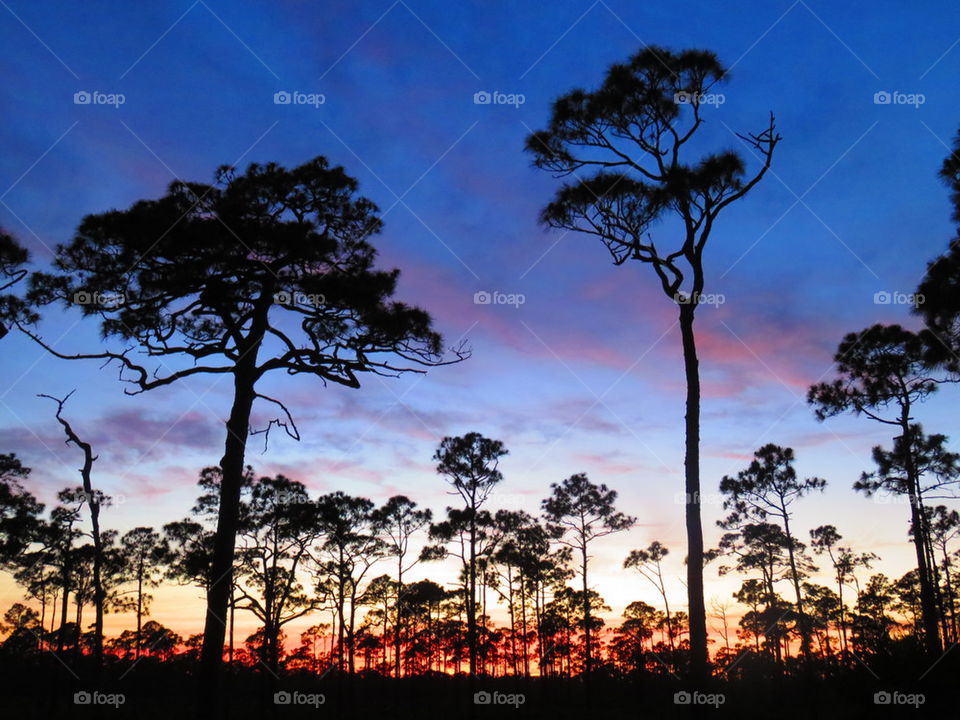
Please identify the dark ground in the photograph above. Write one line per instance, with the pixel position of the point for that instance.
(154, 690)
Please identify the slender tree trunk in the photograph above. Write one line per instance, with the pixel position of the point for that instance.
(139, 610)
(588, 654)
(472, 595)
(65, 600)
(221, 569)
(78, 598)
(351, 645)
(804, 624)
(928, 601)
(398, 639)
(843, 622)
(233, 612)
(951, 601)
(698, 612)
(513, 621)
(43, 617)
(341, 625)
(523, 625)
(99, 596)
(666, 607)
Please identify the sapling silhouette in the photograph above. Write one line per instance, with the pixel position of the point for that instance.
(826, 539)
(349, 544)
(277, 530)
(577, 513)
(400, 519)
(635, 133)
(523, 543)
(470, 464)
(142, 552)
(269, 270)
(766, 490)
(648, 563)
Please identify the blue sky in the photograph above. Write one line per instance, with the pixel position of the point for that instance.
(585, 374)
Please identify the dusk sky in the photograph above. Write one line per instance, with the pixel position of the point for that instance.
(585, 375)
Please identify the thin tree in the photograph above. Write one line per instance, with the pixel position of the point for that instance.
(261, 272)
(944, 527)
(762, 547)
(648, 563)
(766, 490)
(579, 512)
(93, 500)
(350, 545)
(142, 553)
(919, 467)
(400, 520)
(470, 464)
(884, 372)
(636, 134)
(278, 527)
(826, 539)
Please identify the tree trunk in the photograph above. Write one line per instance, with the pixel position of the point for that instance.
(65, 600)
(471, 595)
(951, 602)
(523, 624)
(98, 592)
(398, 639)
(804, 624)
(233, 612)
(928, 603)
(697, 607)
(843, 621)
(588, 655)
(221, 570)
(139, 611)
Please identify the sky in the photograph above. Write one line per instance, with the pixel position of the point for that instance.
(584, 375)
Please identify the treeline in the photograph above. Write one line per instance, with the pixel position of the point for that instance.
(343, 560)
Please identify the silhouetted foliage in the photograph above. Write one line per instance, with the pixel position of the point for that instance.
(269, 270)
(884, 372)
(635, 133)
